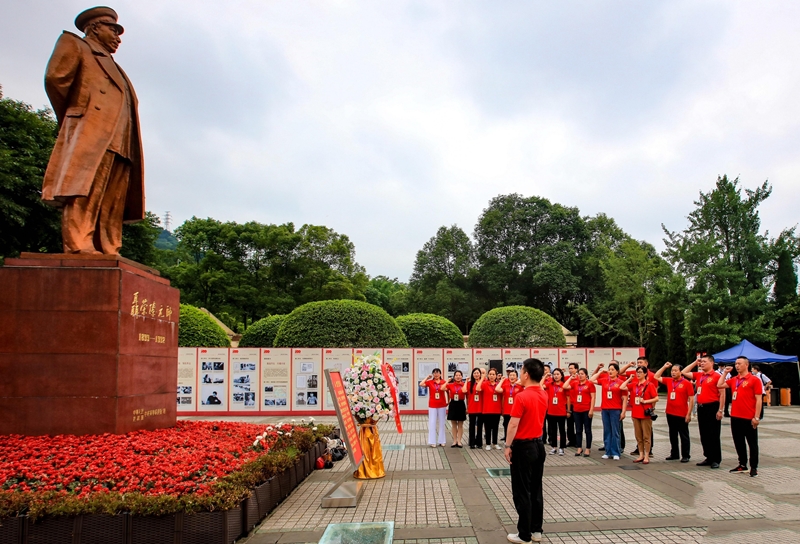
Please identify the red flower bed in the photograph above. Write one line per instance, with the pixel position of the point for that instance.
(193, 458)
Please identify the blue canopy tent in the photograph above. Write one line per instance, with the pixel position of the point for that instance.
(756, 355)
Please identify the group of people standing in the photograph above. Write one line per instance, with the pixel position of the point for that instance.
(487, 398)
(540, 400)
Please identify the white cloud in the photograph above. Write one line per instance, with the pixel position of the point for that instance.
(385, 121)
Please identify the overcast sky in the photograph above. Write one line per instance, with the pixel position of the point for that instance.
(387, 120)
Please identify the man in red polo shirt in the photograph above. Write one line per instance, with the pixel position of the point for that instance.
(746, 391)
(710, 400)
(525, 452)
(680, 400)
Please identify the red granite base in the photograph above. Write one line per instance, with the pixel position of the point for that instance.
(88, 345)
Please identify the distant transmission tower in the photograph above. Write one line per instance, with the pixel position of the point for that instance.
(167, 222)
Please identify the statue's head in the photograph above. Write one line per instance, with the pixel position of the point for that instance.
(100, 24)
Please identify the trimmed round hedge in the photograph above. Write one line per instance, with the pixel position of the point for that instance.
(197, 330)
(339, 324)
(430, 331)
(261, 334)
(516, 326)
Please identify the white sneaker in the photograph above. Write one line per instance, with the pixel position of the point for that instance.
(497, 447)
(488, 447)
(553, 451)
(604, 457)
(536, 537)
(560, 451)
(515, 538)
(616, 458)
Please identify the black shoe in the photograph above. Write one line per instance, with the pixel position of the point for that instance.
(685, 460)
(672, 458)
(714, 465)
(703, 463)
(601, 449)
(453, 445)
(740, 468)
(472, 447)
(651, 453)
(636, 452)
(753, 472)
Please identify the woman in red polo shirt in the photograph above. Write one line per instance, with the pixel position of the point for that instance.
(475, 408)
(557, 411)
(508, 387)
(492, 408)
(457, 407)
(680, 400)
(642, 395)
(582, 394)
(613, 407)
(437, 407)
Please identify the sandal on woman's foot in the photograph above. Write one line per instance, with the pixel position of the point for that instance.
(587, 453)
(578, 453)
(639, 460)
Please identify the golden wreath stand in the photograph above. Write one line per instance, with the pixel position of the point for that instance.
(371, 467)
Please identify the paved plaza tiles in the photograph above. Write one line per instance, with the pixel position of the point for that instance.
(447, 496)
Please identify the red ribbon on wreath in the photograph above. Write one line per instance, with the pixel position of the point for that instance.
(391, 379)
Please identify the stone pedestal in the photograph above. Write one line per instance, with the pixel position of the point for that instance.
(88, 345)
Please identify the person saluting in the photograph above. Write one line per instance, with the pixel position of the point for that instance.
(525, 453)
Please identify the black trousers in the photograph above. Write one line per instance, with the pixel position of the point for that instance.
(744, 436)
(527, 469)
(556, 424)
(571, 428)
(475, 430)
(506, 419)
(678, 428)
(491, 422)
(583, 424)
(710, 429)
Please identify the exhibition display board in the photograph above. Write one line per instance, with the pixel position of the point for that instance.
(287, 381)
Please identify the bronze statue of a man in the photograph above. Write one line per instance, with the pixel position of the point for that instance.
(95, 173)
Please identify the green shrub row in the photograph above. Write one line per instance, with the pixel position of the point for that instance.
(430, 331)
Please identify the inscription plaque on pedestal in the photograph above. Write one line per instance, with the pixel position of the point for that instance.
(88, 345)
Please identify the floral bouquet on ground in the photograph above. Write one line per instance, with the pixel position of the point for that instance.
(368, 390)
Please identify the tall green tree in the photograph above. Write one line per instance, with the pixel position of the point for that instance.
(252, 270)
(26, 141)
(724, 258)
(442, 281)
(389, 294)
(530, 252)
(632, 276)
(138, 240)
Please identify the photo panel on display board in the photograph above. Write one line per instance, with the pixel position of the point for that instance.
(482, 356)
(425, 360)
(276, 376)
(571, 355)
(548, 356)
(627, 355)
(213, 379)
(595, 356)
(244, 374)
(513, 357)
(401, 360)
(335, 360)
(187, 379)
(306, 374)
(457, 359)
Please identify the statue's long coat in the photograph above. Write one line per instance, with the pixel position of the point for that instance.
(87, 94)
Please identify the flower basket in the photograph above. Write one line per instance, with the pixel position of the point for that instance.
(264, 497)
(250, 514)
(11, 530)
(275, 496)
(210, 527)
(153, 528)
(284, 481)
(51, 530)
